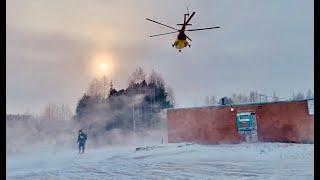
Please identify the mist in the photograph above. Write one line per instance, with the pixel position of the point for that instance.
(29, 135)
(114, 118)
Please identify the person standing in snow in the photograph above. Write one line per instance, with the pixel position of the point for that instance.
(82, 137)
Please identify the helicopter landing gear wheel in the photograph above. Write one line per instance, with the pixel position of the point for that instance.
(172, 45)
(189, 45)
(179, 50)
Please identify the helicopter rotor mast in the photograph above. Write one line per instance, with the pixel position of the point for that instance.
(183, 28)
(185, 19)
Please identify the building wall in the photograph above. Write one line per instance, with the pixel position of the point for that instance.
(277, 122)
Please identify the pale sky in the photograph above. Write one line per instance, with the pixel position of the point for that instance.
(52, 46)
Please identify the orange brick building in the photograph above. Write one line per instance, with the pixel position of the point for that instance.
(286, 121)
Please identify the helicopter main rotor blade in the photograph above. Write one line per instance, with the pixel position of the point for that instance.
(203, 28)
(161, 24)
(188, 38)
(164, 34)
(190, 18)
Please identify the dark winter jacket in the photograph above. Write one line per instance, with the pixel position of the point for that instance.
(82, 138)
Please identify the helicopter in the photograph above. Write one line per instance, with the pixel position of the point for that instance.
(181, 41)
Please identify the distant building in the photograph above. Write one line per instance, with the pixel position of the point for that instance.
(283, 121)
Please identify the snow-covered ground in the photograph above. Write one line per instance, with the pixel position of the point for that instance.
(169, 161)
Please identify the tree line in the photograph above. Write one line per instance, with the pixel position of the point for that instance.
(255, 97)
(134, 108)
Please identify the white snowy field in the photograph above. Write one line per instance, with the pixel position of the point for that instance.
(169, 161)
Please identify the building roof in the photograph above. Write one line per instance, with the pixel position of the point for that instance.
(241, 104)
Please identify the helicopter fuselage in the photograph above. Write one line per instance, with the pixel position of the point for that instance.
(180, 44)
(181, 41)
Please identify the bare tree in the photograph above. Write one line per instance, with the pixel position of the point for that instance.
(156, 79)
(253, 96)
(239, 98)
(98, 87)
(309, 94)
(207, 101)
(170, 96)
(104, 86)
(54, 112)
(137, 77)
(92, 89)
(275, 98)
(298, 96)
(50, 112)
(210, 100)
(66, 113)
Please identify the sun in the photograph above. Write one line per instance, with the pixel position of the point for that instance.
(102, 65)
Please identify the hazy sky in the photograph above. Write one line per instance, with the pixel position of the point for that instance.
(264, 45)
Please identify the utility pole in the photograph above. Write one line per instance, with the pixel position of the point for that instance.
(152, 99)
(133, 120)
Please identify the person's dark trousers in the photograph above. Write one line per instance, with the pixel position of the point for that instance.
(81, 147)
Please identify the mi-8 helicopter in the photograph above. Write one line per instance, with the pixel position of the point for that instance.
(181, 41)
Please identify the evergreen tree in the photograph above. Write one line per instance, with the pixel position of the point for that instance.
(138, 104)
